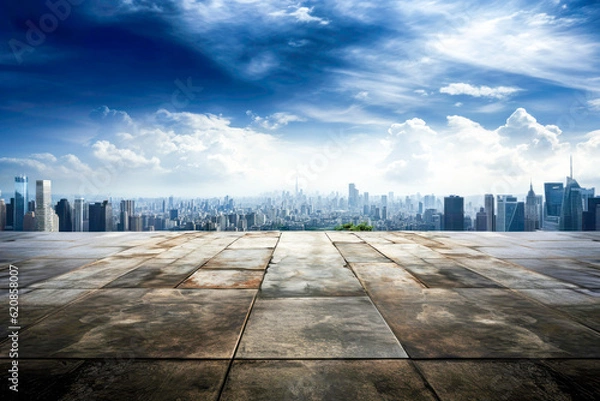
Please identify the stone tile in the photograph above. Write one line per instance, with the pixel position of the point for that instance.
(154, 273)
(325, 380)
(95, 275)
(221, 278)
(34, 271)
(445, 273)
(284, 281)
(565, 270)
(342, 327)
(256, 240)
(580, 378)
(343, 236)
(399, 253)
(119, 379)
(360, 253)
(252, 259)
(501, 380)
(481, 323)
(142, 323)
(380, 277)
(515, 251)
(35, 304)
(582, 307)
(511, 275)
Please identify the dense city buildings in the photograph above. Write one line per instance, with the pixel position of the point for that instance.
(565, 207)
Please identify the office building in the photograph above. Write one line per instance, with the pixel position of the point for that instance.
(481, 220)
(21, 202)
(591, 217)
(29, 221)
(352, 197)
(44, 213)
(126, 213)
(532, 217)
(100, 216)
(65, 216)
(2, 215)
(490, 212)
(511, 214)
(572, 207)
(454, 213)
(78, 214)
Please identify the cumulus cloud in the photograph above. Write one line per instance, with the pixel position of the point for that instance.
(104, 114)
(108, 152)
(499, 92)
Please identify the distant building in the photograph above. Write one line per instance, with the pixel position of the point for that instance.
(352, 196)
(65, 216)
(127, 211)
(29, 221)
(511, 214)
(2, 215)
(100, 216)
(21, 201)
(454, 213)
(591, 217)
(490, 212)
(553, 192)
(481, 220)
(78, 214)
(572, 207)
(44, 213)
(532, 209)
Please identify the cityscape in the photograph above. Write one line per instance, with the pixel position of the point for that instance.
(561, 207)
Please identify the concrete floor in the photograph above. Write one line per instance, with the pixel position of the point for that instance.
(304, 316)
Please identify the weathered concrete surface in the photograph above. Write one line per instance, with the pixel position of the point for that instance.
(304, 315)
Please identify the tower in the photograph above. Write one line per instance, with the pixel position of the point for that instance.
(64, 212)
(532, 219)
(78, 215)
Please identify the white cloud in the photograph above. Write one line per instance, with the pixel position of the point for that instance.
(301, 14)
(499, 92)
(594, 104)
(275, 120)
(108, 152)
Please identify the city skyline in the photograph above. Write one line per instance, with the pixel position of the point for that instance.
(246, 97)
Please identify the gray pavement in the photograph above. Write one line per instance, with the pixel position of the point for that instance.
(304, 316)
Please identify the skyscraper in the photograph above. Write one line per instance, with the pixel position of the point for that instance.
(126, 213)
(44, 213)
(352, 197)
(63, 210)
(78, 214)
(2, 215)
(553, 192)
(511, 214)
(591, 217)
(454, 213)
(490, 213)
(532, 218)
(481, 220)
(572, 207)
(100, 216)
(21, 201)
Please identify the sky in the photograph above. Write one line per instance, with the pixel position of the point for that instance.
(212, 98)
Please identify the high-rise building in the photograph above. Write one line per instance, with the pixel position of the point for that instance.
(511, 214)
(572, 207)
(44, 213)
(100, 216)
(64, 211)
(29, 221)
(454, 213)
(126, 213)
(21, 201)
(490, 212)
(532, 217)
(78, 213)
(587, 193)
(2, 215)
(352, 196)
(481, 220)
(10, 214)
(591, 217)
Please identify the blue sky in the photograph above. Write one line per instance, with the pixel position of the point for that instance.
(207, 98)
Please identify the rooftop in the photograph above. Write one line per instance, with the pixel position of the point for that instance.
(304, 315)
